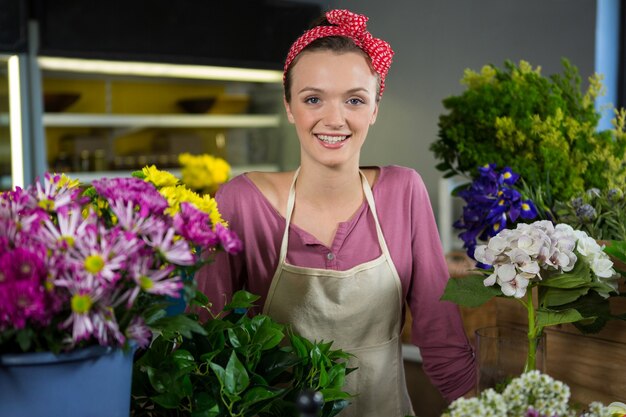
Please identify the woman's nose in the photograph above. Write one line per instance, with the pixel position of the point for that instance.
(334, 116)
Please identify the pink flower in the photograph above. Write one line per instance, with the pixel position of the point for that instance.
(228, 239)
(195, 226)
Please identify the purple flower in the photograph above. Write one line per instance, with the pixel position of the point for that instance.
(140, 193)
(23, 297)
(138, 331)
(228, 239)
(492, 204)
(195, 226)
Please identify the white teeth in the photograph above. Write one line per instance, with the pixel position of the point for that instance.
(331, 139)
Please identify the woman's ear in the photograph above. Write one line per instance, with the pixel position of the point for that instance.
(374, 115)
(288, 110)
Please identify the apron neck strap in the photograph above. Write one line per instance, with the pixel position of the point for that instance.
(291, 202)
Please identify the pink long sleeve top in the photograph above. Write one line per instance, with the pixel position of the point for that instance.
(409, 228)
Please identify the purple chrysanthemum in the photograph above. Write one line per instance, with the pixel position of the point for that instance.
(145, 198)
(228, 239)
(195, 226)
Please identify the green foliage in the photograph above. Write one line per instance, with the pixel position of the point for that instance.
(544, 128)
(599, 213)
(469, 291)
(235, 366)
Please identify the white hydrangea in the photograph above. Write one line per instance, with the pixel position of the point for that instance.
(519, 255)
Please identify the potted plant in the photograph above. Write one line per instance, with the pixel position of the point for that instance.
(241, 366)
(82, 272)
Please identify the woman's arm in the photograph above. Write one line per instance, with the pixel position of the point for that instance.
(437, 329)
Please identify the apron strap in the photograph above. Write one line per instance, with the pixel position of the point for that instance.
(367, 190)
(291, 202)
(369, 196)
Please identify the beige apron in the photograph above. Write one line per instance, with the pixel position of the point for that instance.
(359, 310)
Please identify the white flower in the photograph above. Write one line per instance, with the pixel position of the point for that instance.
(602, 266)
(587, 245)
(515, 287)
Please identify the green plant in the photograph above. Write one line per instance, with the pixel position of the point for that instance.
(237, 366)
(600, 213)
(543, 128)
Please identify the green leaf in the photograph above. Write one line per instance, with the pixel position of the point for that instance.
(241, 299)
(559, 296)
(469, 291)
(183, 360)
(323, 380)
(617, 249)
(577, 277)
(550, 317)
(167, 400)
(260, 393)
(171, 326)
(24, 338)
(274, 363)
(200, 299)
(220, 373)
(333, 394)
(236, 379)
(336, 376)
(204, 402)
(268, 334)
(443, 166)
(299, 346)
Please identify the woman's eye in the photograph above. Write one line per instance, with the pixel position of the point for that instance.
(355, 101)
(312, 100)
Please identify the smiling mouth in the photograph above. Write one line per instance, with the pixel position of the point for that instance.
(332, 139)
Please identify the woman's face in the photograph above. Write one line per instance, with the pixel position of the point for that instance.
(333, 103)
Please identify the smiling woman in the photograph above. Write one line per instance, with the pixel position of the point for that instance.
(335, 250)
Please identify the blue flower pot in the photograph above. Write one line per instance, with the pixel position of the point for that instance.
(90, 382)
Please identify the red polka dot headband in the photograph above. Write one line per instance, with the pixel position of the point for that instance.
(353, 26)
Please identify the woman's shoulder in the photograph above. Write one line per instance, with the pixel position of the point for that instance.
(398, 176)
(252, 188)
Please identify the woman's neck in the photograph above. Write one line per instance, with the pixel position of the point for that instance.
(326, 186)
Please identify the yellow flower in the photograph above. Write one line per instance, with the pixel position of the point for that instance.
(181, 194)
(203, 172)
(67, 181)
(159, 178)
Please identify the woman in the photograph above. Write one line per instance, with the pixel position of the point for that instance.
(335, 250)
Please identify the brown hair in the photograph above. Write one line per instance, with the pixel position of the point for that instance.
(337, 44)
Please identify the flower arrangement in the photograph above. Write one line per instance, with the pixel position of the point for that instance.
(544, 128)
(532, 394)
(203, 173)
(573, 277)
(239, 366)
(93, 266)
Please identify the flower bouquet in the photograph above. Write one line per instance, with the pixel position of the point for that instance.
(531, 151)
(81, 267)
(532, 394)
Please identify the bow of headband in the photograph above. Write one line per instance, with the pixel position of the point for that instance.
(351, 25)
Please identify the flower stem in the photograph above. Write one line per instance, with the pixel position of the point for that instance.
(534, 333)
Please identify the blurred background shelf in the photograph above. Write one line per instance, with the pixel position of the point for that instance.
(155, 120)
(87, 177)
